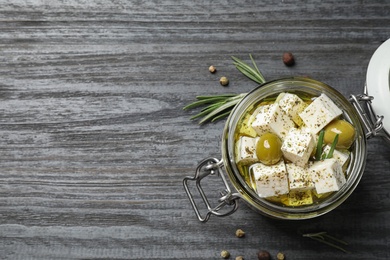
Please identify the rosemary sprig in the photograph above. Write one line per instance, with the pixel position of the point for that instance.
(329, 240)
(252, 73)
(320, 154)
(202, 100)
(220, 106)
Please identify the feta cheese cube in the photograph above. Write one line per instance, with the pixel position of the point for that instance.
(246, 150)
(299, 178)
(270, 180)
(327, 175)
(262, 119)
(271, 118)
(341, 157)
(292, 105)
(298, 198)
(298, 146)
(319, 113)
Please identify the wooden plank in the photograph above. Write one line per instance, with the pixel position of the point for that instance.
(94, 143)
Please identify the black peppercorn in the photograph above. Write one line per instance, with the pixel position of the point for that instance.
(263, 255)
(288, 59)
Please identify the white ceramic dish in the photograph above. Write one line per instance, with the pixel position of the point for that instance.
(378, 83)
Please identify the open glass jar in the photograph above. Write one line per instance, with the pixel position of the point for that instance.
(357, 110)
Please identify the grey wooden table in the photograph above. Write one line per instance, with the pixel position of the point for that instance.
(94, 143)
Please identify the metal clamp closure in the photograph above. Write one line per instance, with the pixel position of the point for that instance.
(373, 125)
(211, 166)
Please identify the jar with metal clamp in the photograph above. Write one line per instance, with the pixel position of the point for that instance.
(366, 112)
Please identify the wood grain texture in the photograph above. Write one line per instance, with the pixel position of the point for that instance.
(94, 143)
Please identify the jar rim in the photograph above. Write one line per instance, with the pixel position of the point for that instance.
(291, 85)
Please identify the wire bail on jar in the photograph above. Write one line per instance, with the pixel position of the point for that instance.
(211, 166)
(373, 124)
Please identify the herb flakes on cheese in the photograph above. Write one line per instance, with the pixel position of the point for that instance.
(299, 178)
(298, 198)
(270, 118)
(270, 180)
(292, 105)
(327, 175)
(246, 150)
(298, 146)
(320, 113)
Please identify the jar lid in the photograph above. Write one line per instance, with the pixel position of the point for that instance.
(378, 82)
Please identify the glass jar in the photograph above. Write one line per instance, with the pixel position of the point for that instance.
(357, 110)
(296, 86)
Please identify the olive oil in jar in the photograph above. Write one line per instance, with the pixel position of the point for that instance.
(286, 183)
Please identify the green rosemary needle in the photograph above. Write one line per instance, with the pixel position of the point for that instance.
(329, 240)
(320, 143)
(331, 149)
(333, 146)
(252, 73)
(220, 106)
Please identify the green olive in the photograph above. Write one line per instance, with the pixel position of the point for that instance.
(345, 130)
(268, 149)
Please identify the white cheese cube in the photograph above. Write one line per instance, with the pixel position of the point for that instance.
(246, 150)
(271, 118)
(299, 178)
(327, 175)
(298, 146)
(319, 113)
(341, 157)
(292, 105)
(262, 119)
(270, 180)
